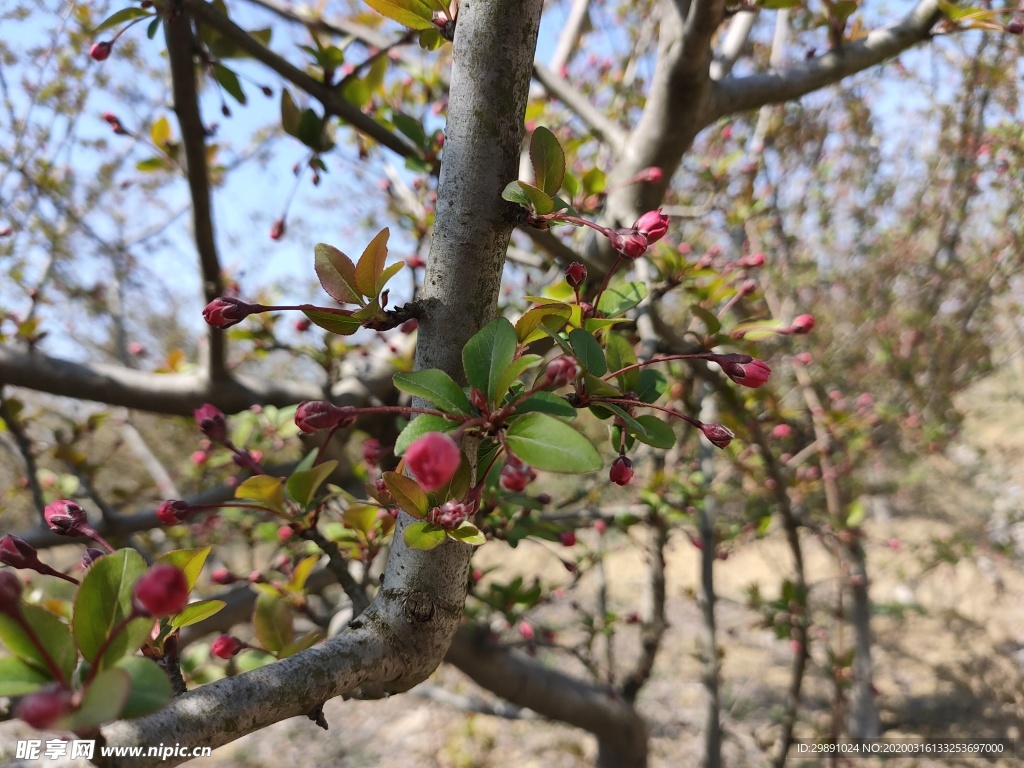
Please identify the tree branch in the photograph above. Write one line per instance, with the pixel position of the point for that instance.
(738, 94)
(621, 733)
(178, 34)
(329, 96)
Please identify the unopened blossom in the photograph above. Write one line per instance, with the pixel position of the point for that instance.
(652, 225)
(162, 590)
(433, 459)
(226, 311)
(621, 471)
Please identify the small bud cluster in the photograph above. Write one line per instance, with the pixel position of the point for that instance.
(516, 475)
(451, 514)
(634, 242)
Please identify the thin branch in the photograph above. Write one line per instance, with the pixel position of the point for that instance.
(338, 565)
(476, 704)
(178, 34)
(603, 127)
(331, 97)
(732, 45)
(739, 94)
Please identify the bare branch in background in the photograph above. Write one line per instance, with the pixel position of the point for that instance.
(600, 124)
(24, 445)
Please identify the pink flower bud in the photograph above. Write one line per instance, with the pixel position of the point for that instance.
(515, 475)
(802, 324)
(172, 512)
(526, 630)
(226, 311)
(752, 260)
(560, 372)
(373, 452)
(226, 646)
(782, 431)
(162, 590)
(223, 577)
(44, 708)
(650, 175)
(136, 349)
(314, 415)
(629, 242)
(18, 553)
(717, 434)
(575, 274)
(101, 51)
(66, 518)
(652, 225)
(211, 422)
(433, 459)
(277, 229)
(284, 533)
(10, 593)
(568, 538)
(303, 324)
(621, 471)
(199, 458)
(1015, 27)
(415, 262)
(600, 526)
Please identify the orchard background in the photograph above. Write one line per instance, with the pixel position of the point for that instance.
(651, 365)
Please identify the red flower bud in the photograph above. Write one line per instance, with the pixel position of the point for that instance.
(373, 452)
(173, 512)
(415, 262)
(560, 372)
(44, 708)
(719, 435)
(211, 422)
(18, 553)
(478, 399)
(568, 538)
(802, 324)
(1015, 27)
(10, 593)
(225, 311)
(575, 274)
(101, 51)
(629, 242)
(621, 471)
(91, 556)
(162, 590)
(652, 225)
(745, 370)
(526, 630)
(314, 415)
(226, 646)
(277, 229)
(433, 459)
(66, 518)
(515, 475)
(223, 577)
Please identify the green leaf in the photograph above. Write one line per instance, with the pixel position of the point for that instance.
(412, 13)
(548, 160)
(546, 402)
(229, 82)
(151, 164)
(300, 573)
(657, 432)
(456, 487)
(757, 330)
(407, 494)
(588, 352)
(537, 199)
(621, 297)
(290, 115)
(514, 371)
(265, 489)
(301, 643)
(634, 426)
(370, 266)
(423, 535)
(189, 561)
(160, 132)
(468, 534)
(104, 598)
(150, 689)
(361, 517)
(303, 485)
(412, 128)
(594, 181)
(514, 193)
(651, 385)
(621, 355)
(273, 622)
(103, 702)
(50, 631)
(425, 422)
(854, 514)
(120, 17)
(710, 320)
(196, 612)
(388, 273)
(436, 387)
(152, 27)
(551, 316)
(336, 321)
(546, 443)
(337, 274)
(17, 677)
(487, 355)
(132, 637)
(310, 129)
